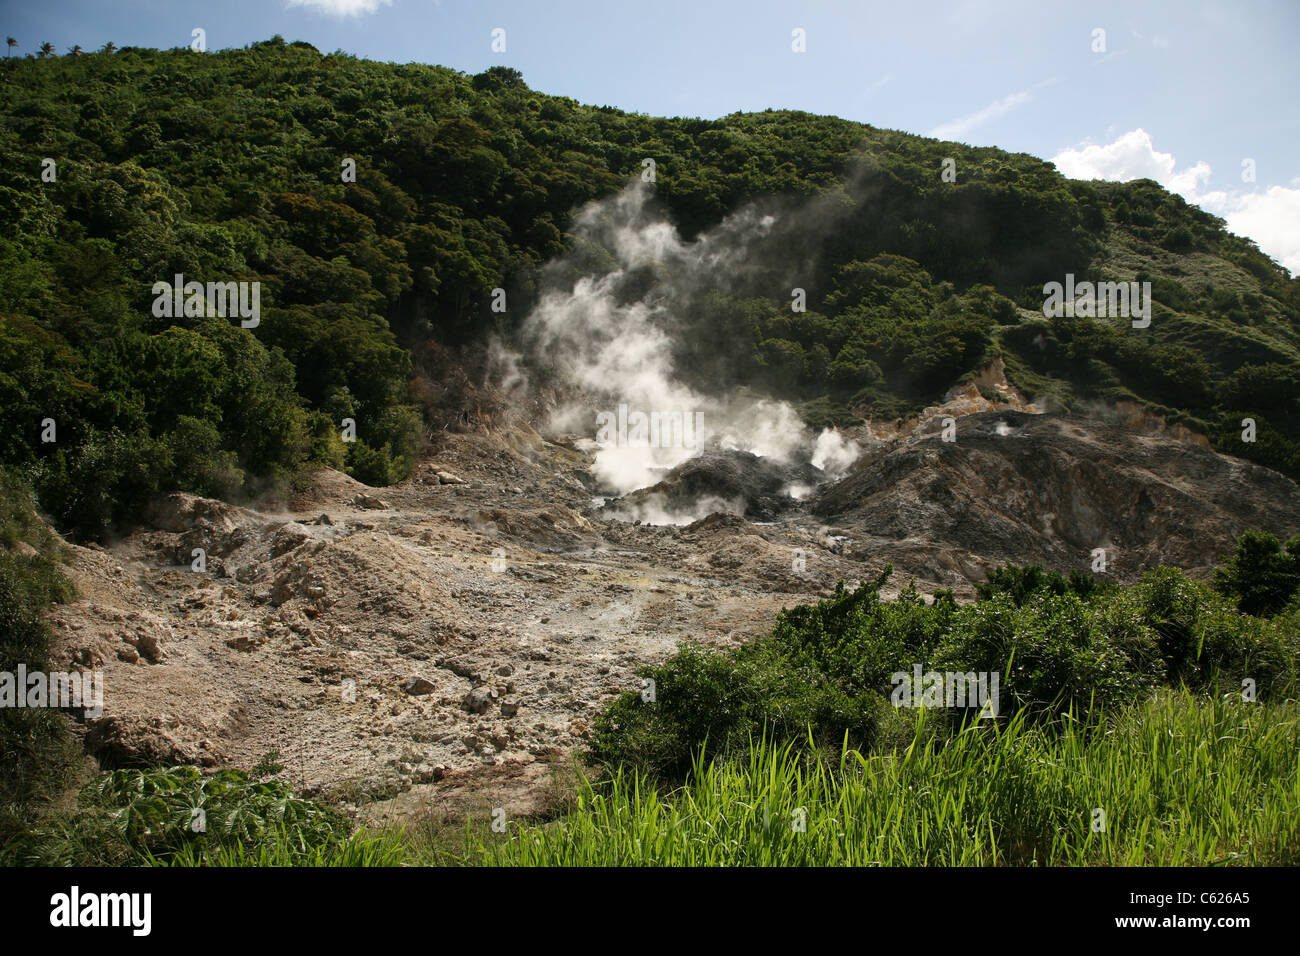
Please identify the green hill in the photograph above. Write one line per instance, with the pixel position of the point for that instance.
(226, 167)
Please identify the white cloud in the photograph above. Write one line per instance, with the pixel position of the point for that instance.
(1132, 156)
(960, 127)
(1271, 218)
(342, 8)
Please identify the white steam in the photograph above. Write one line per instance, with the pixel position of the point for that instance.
(655, 509)
(505, 368)
(834, 454)
(612, 335)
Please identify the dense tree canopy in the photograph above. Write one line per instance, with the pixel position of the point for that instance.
(231, 167)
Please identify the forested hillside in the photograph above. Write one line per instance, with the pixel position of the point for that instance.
(228, 167)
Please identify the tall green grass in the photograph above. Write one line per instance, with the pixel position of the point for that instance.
(284, 848)
(827, 669)
(1181, 780)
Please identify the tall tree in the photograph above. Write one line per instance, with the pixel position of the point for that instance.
(47, 49)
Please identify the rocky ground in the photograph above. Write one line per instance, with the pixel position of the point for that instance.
(388, 639)
(444, 643)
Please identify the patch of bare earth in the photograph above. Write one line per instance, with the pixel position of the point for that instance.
(440, 645)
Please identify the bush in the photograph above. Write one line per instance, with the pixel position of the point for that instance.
(723, 701)
(1056, 651)
(1235, 648)
(109, 477)
(1261, 575)
(1020, 582)
(860, 641)
(37, 756)
(149, 816)
(372, 466)
(200, 465)
(1172, 606)
(1057, 644)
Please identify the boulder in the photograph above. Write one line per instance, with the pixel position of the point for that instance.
(419, 686)
(480, 700)
(287, 538)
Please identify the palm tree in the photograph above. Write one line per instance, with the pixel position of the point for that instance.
(12, 43)
(108, 47)
(47, 49)
(75, 50)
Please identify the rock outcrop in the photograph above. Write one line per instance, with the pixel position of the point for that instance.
(1049, 489)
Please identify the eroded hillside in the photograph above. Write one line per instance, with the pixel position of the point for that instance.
(442, 641)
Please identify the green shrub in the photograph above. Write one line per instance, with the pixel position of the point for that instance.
(1020, 582)
(1055, 651)
(372, 466)
(1057, 644)
(721, 701)
(38, 759)
(1262, 575)
(199, 462)
(90, 489)
(147, 816)
(1172, 606)
(1235, 647)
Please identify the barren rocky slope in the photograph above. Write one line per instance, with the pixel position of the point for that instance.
(1049, 489)
(441, 641)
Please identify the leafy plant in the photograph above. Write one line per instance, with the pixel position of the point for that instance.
(153, 815)
(1262, 574)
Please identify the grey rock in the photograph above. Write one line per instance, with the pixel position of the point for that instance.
(418, 686)
(480, 700)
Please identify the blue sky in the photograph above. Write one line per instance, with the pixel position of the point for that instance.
(1183, 92)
